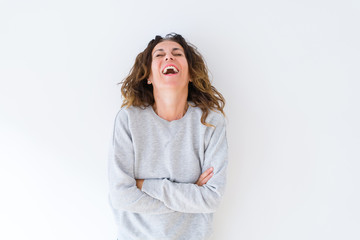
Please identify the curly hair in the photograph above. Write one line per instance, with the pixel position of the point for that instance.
(136, 91)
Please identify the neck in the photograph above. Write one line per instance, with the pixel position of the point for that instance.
(170, 106)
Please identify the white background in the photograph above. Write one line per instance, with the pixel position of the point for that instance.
(289, 71)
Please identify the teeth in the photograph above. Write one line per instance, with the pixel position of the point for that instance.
(170, 67)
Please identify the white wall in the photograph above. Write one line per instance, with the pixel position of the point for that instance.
(289, 71)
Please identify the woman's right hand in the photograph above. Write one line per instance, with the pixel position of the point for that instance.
(205, 177)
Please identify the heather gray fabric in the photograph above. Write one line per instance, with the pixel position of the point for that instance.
(170, 156)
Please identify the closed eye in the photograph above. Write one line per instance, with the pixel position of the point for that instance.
(175, 54)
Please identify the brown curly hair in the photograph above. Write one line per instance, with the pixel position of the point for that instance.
(136, 91)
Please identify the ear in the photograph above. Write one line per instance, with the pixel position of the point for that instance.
(150, 78)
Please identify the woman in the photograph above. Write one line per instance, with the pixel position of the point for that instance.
(168, 158)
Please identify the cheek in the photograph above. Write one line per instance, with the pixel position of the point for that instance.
(151, 71)
(186, 67)
(154, 67)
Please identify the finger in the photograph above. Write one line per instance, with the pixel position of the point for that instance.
(206, 173)
(203, 180)
(206, 179)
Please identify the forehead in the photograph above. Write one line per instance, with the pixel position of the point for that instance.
(167, 45)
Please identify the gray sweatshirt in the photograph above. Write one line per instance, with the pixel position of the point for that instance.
(170, 156)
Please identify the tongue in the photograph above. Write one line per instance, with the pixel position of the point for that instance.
(169, 71)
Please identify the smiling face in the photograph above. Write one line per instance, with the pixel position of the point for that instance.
(169, 67)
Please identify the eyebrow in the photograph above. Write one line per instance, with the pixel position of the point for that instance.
(174, 49)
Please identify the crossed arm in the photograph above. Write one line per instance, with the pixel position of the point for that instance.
(204, 177)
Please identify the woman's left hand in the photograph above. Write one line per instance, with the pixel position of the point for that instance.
(139, 183)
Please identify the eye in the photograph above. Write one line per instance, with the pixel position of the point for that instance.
(159, 55)
(178, 54)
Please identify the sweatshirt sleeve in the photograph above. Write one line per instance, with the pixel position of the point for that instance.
(123, 192)
(189, 197)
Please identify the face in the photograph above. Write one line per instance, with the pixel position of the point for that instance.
(169, 67)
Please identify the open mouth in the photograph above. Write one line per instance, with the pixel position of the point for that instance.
(170, 69)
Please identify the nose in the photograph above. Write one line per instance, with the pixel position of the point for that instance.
(169, 57)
